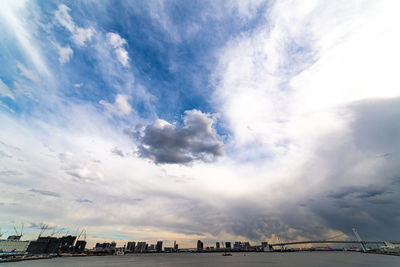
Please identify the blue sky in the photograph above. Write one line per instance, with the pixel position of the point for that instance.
(257, 119)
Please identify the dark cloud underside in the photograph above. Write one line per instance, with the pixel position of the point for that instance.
(166, 143)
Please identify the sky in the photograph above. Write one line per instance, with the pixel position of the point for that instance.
(213, 120)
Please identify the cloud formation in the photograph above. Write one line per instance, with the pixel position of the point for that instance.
(45, 192)
(306, 93)
(5, 91)
(64, 53)
(117, 42)
(80, 36)
(82, 168)
(120, 106)
(163, 142)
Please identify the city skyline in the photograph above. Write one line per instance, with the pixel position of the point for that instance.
(200, 120)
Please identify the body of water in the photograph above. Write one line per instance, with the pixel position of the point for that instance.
(308, 259)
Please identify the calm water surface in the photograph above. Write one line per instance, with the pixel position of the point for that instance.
(216, 259)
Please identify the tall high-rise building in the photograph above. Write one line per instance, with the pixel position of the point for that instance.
(217, 245)
(199, 245)
(228, 245)
(159, 246)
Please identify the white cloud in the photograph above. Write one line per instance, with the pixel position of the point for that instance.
(12, 13)
(64, 18)
(6, 107)
(5, 91)
(120, 106)
(289, 131)
(27, 73)
(280, 83)
(117, 42)
(64, 53)
(80, 36)
(115, 39)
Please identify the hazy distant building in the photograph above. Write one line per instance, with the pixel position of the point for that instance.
(159, 246)
(228, 245)
(106, 247)
(217, 245)
(241, 245)
(141, 247)
(199, 245)
(14, 237)
(265, 246)
(131, 246)
(168, 249)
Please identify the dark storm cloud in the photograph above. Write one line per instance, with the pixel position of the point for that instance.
(45, 193)
(371, 206)
(166, 143)
(358, 192)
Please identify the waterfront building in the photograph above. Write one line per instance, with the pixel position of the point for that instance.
(228, 245)
(37, 247)
(217, 245)
(106, 247)
(80, 246)
(168, 249)
(131, 246)
(199, 245)
(67, 243)
(159, 246)
(265, 246)
(44, 245)
(14, 237)
(13, 247)
(141, 247)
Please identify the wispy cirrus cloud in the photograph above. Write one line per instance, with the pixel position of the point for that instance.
(5, 91)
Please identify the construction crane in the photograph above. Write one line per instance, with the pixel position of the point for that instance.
(54, 231)
(83, 230)
(359, 240)
(57, 232)
(43, 228)
(15, 230)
